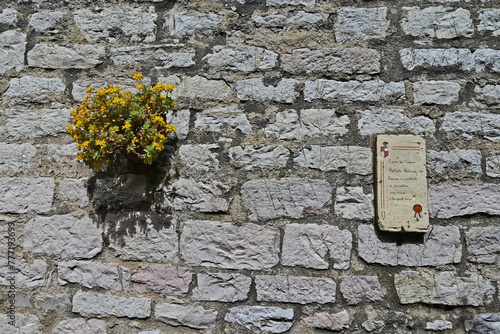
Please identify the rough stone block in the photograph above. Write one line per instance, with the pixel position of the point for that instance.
(117, 24)
(162, 279)
(294, 289)
(352, 159)
(307, 3)
(265, 318)
(483, 243)
(454, 164)
(12, 48)
(180, 120)
(250, 157)
(435, 92)
(437, 59)
(421, 23)
(332, 61)
(438, 325)
(289, 20)
(185, 315)
(60, 57)
(487, 60)
(8, 16)
(291, 124)
(375, 121)
(24, 274)
(329, 321)
(218, 118)
(353, 91)
(361, 24)
(185, 24)
(221, 287)
(24, 324)
(90, 274)
(352, 203)
(443, 288)
(63, 153)
(34, 124)
(483, 323)
(199, 157)
(74, 190)
(101, 304)
(63, 235)
(58, 302)
(26, 195)
(80, 326)
(28, 85)
(489, 21)
(313, 246)
(289, 197)
(489, 94)
(255, 89)
(441, 245)
(224, 245)
(198, 88)
(473, 123)
(448, 201)
(241, 58)
(493, 164)
(46, 21)
(123, 191)
(357, 289)
(16, 157)
(158, 55)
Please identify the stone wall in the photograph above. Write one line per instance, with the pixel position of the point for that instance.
(261, 216)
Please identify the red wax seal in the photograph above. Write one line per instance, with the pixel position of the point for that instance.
(418, 209)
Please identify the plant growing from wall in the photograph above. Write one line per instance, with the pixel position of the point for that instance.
(110, 122)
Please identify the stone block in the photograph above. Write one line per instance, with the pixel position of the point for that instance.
(8, 17)
(26, 195)
(448, 201)
(122, 191)
(361, 24)
(21, 273)
(489, 94)
(380, 121)
(487, 60)
(185, 24)
(198, 88)
(352, 159)
(241, 58)
(162, 279)
(489, 21)
(221, 287)
(437, 59)
(34, 124)
(87, 303)
(443, 288)
(483, 323)
(454, 164)
(288, 197)
(352, 203)
(80, 326)
(218, 118)
(45, 21)
(483, 243)
(16, 157)
(329, 321)
(435, 92)
(255, 89)
(353, 91)
(332, 61)
(185, 315)
(90, 274)
(61, 57)
(58, 302)
(438, 325)
(63, 235)
(421, 23)
(357, 289)
(12, 48)
(158, 56)
(473, 123)
(199, 157)
(267, 319)
(493, 164)
(314, 246)
(224, 245)
(294, 289)
(287, 20)
(28, 85)
(441, 245)
(74, 190)
(23, 324)
(276, 3)
(251, 157)
(63, 153)
(180, 119)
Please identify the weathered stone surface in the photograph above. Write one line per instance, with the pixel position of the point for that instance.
(439, 325)
(60, 57)
(199, 157)
(332, 61)
(280, 20)
(489, 94)
(353, 91)
(34, 124)
(307, 3)
(154, 54)
(493, 164)
(473, 123)
(241, 58)
(63, 235)
(203, 196)
(189, 23)
(361, 24)
(8, 16)
(328, 321)
(24, 324)
(80, 326)
(122, 191)
(454, 163)
(185, 315)
(251, 157)
(307, 245)
(218, 118)
(255, 89)
(443, 288)
(28, 85)
(291, 124)
(448, 201)
(12, 48)
(101, 304)
(352, 159)
(118, 23)
(489, 20)
(435, 92)
(58, 302)
(46, 21)
(74, 190)
(222, 287)
(26, 195)
(352, 203)
(294, 289)
(265, 318)
(180, 120)
(16, 157)
(288, 197)
(63, 153)
(483, 243)
(357, 289)
(437, 58)
(441, 245)
(483, 323)
(90, 274)
(162, 278)
(421, 23)
(373, 121)
(24, 274)
(487, 60)
(198, 88)
(224, 245)
(142, 236)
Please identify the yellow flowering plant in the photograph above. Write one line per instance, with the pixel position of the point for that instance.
(110, 121)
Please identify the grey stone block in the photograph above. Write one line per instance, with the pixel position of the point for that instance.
(224, 245)
(184, 24)
(74, 190)
(218, 118)
(80, 326)
(361, 24)
(122, 191)
(357, 289)
(90, 274)
(23, 324)
(352, 203)
(87, 303)
(20, 273)
(268, 319)
(255, 89)
(374, 121)
(289, 197)
(473, 123)
(199, 157)
(454, 163)
(483, 243)
(489, 21)
(353, 91)
(185, 315)
(437, 59)
(439, 325)
(158, 55)
(483, 323)
(435, 92)
(26, 195)
(289, 20)
(313, 246)
(46, 21)
(57, 302)
(329, 321)
(294, 289)
(489, 94)
(16, 157)
(61, 57)
(241, 58)
(487, 60)
(198, 88)
(28, 85)
(12, 48)
(493, 164)
(162, 279)
(180, 119)
(221, 287)
(250, 157)
(8, 16)
(307, 3)
(34, 124)
(63, 153)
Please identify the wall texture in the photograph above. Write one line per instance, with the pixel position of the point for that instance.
(261, 216)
